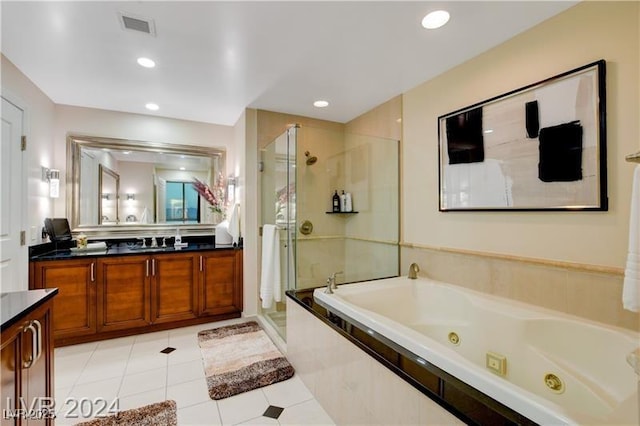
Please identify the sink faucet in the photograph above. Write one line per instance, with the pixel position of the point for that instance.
(331, 283)
(413, 271)
(154, 242)
(144, 242)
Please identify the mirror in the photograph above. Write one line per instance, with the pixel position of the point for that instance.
(120, 186)
(108, 196)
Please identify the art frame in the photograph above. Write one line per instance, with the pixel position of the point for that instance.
(539, 147)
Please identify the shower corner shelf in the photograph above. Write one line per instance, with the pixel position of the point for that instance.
(342, 212)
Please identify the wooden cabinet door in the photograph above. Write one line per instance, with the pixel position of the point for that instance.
(75, 305)
(11, 373)
(220, 282)
(124, 292)
(27, 369)
(37, 380)
(174, 287)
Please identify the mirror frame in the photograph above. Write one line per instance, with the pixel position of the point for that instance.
(76, 142)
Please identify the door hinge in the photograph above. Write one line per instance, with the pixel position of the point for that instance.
(23, 143)
(23, 238)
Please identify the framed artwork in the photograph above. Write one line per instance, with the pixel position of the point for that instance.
(540, 147)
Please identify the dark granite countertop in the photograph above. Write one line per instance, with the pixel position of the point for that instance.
(16, 304)
(125, 249)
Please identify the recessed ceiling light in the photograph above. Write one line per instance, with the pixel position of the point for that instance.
(321, 104)
(151, 106)
(489, 131)
(181, 168)
(146, 62)
(435, 19)
(126, 152)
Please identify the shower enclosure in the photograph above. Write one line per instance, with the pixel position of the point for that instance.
(300, 171)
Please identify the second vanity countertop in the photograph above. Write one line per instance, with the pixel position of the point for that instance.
(125, 249)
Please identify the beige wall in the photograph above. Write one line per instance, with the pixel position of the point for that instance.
(567, 261)
(583, 34)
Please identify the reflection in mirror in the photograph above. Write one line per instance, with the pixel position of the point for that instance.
(108, 197)
(119, 183)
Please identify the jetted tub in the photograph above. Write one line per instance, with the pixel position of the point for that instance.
(560, 369)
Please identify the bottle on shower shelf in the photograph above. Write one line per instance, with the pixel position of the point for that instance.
(336, 202)
(348, 205)
(343, 202)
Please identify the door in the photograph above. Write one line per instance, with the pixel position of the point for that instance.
(13, 259)
(174, 286)
(75, 305)
(220, 282)
(123, 296)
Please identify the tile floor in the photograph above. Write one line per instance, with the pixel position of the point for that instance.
(134, 371)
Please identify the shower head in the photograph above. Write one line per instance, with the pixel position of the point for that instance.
(310, 160)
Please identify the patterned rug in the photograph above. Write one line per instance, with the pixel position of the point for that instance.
(158, 414)
(239, 358)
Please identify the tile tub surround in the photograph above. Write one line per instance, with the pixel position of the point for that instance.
(587, 291)
(135, 370)
(351, 385)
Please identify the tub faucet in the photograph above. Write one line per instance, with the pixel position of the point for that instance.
(331, 283)
(413, 271)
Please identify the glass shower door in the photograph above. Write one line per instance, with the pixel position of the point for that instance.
(278, 207)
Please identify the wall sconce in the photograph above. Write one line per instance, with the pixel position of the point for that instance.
(231, 189)
(53, 177)
(131, 196)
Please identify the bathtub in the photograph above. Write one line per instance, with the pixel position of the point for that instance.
(454, 329)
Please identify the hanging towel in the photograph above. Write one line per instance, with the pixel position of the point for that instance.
(234, 223)
(631, 286)
(270, 274)
(144, 218)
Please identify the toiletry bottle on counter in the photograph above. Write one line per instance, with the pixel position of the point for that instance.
(336, 202)
(343, 202)
(348, 205)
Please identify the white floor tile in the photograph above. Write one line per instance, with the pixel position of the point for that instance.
(82, 348)
(146, 362)
(242, 407)
(93, 394)
(119, 342)
(260, 421)
(149, 347)
(142, 399)
(142, 382)
(102, 354)
(287, 393)
(185, 372)
(188, 393)
(306, 413)
(182, 355)
(155, 336)
(95, 371)
(202, 414)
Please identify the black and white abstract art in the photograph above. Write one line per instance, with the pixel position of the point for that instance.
(540, 147)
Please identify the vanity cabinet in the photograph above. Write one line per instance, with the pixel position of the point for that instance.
(219, 274)
(116, 295)
(27, 367)
(75, 305)
(123, 296)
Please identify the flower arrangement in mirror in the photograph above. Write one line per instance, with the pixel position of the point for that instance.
(214, 196)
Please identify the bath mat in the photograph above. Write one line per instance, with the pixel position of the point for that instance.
(239, 358)
(157, 414)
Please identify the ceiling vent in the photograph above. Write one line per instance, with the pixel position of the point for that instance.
(137, 23)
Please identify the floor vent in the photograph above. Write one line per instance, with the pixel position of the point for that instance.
(137, 23)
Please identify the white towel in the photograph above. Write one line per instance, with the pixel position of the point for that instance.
(270, 274)
(146, 216)
(631, 286)
(234, 223)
